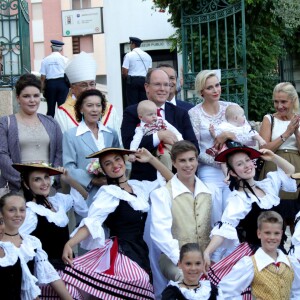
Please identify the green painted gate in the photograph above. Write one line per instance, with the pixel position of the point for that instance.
(14, 41)
(213, 37)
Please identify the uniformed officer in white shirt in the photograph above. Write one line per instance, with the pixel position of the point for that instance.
(54, 83)
(135, 67)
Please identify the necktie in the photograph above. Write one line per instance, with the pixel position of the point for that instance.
(158, 112)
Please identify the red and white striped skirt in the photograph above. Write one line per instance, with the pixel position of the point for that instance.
(224, 266)
(47, 292)
(125, 279)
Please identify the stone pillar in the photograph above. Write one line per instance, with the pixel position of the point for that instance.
(6, 102)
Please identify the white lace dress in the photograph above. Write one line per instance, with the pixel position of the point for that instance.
(208, 170)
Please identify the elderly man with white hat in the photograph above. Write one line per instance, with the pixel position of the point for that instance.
(52, 71)
(81, 72)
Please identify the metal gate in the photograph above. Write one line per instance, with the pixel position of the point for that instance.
(213, 37)
(14, 41)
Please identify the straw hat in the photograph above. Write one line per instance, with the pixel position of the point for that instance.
(106, 150)
(22, 168)
(222, 157)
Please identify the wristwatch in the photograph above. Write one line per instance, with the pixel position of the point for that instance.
(283, 139)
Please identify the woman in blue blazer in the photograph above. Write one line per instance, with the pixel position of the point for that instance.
(90, 136)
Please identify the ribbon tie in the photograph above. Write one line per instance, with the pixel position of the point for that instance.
(158, 112)
(277, 264)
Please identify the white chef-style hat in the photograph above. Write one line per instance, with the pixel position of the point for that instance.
(81, 68)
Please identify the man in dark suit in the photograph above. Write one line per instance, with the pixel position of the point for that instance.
(157, 89)
(173, 81)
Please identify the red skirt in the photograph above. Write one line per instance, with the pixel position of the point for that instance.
(124, 279)
(224, 266)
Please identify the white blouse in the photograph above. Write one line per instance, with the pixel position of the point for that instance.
(201, 293)
(106, 201)
(242, 274)
(239, 205)
(62, 203)
(279, 127)
(29, 289)
(296, 239)
(31, 248)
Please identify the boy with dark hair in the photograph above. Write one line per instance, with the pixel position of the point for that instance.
(180, 210)
(271, 273)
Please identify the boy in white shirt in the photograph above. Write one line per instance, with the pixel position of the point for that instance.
(150, 124)
(271, 273)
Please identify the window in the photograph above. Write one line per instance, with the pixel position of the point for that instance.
(78, 4)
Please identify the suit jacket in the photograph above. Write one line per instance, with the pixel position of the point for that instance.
(176, 116)
(10, 151)
(184, 105)
(76, 148)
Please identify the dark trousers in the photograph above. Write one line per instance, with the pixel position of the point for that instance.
(56, 91)
(135, 90)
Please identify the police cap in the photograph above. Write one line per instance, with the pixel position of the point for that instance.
(135, 40)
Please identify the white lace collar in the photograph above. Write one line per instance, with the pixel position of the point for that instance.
(58, 217)
(28, 246)
(11, 255)
(138, 202)
(202, 292)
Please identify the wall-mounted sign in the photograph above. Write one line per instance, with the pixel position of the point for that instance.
(152, 45)
(82, 21)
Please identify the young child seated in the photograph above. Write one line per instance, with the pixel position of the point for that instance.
(150, 124)
(271, 273)
(191, 264)
(237, 124)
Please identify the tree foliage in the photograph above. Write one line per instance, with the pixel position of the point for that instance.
(272, 32)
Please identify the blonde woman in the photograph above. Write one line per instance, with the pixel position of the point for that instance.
(283, 138)
(211, 112)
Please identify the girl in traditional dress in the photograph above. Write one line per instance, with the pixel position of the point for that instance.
(190, 288)
(237, 228)
(16, 280)
(27, 246)
(117, 268)
(46, 217)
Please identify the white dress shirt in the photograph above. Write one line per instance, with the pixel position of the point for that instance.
(161, 215)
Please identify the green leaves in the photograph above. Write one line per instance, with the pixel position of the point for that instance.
(272, 27)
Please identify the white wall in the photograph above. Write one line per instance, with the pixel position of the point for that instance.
(123, 19)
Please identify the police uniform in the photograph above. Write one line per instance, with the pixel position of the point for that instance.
(56, 87)
(137, 62)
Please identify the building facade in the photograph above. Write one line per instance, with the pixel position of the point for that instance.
(121, 19)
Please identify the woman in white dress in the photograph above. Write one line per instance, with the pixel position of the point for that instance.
(211, 112)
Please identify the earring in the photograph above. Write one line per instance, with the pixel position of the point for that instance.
(82, 117)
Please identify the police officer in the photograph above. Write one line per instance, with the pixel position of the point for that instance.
(54, 83)
(134, 69)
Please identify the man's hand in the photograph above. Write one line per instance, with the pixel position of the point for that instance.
(167, 137)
